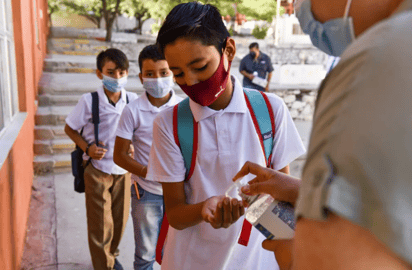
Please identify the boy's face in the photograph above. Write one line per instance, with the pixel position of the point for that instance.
(109, 69)
(192, 62)
(154, 69)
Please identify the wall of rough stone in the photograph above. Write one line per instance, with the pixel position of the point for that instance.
(297, 55)
(301, 103)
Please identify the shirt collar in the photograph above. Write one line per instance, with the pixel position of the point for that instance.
(236, 105)
(145, 104)
(103, 97)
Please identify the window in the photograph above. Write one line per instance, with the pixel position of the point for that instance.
(8, 82)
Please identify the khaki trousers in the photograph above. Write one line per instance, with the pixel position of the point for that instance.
(107, 210)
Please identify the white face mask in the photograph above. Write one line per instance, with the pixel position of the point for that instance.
(158, 87)
(114, 85)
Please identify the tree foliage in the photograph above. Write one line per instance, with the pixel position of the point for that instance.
(259, 9)
(95, 10)
(110, 10)
(89, 9)
(53, 6)
(138, 9)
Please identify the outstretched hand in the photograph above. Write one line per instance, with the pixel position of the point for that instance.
(280, 186)
(221, 211)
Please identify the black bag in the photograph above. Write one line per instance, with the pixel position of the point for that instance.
(78, 169)
(77, 155)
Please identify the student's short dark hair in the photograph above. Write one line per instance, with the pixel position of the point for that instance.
(114, 55)
(150, 52)
(254, 45)
(194, 21)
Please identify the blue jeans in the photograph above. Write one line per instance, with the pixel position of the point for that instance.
(147, 216)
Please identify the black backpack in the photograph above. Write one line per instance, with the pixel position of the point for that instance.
(77, 155)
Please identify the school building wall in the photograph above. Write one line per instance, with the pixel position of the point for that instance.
(30, 28)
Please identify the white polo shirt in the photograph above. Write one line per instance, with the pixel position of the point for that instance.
(136, 124)
(81, 117)
(227, 139)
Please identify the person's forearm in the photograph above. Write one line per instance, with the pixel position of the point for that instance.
(124, 160)
(183, 216)
(289, 186)
(269, 77)
(247, 75)
(76, 137)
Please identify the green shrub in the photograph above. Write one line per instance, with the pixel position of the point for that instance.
(155, 28)
(260, 32)
(231, 31)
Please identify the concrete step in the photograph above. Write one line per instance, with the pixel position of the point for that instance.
(56, 114)
(52, 164)
(49, 132)
(78, 64)
(99, 34)
(77, 84)
(92, 47)
(54, 146)
(76, 44)
(52, 115)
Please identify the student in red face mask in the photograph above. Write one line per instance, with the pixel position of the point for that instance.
(205, 225)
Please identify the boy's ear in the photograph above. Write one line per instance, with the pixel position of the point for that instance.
(99, 74)
(230, 49)
(141, 77)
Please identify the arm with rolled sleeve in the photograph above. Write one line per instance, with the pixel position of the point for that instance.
(124, 135)
(270, 71)
(76, 120)
(166, 165)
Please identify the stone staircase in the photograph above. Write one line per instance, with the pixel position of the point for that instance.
(69, 72)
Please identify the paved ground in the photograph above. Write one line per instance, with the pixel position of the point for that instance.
(57, 230)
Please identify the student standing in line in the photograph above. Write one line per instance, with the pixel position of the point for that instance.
(107, 186)
(136, 126)
(199, 52)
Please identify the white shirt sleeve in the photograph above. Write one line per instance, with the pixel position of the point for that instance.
(287, 144)
(127, 124)
(81, 114)
(165, 160)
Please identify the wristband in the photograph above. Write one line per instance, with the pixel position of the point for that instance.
(87, 148)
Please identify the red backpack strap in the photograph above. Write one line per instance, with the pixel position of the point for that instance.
(268, 133)
(189, 152)
(162, 238)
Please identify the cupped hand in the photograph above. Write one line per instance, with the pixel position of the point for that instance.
(221, 211)
(97, 152)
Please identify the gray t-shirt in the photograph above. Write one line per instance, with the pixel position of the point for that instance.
(359, 162)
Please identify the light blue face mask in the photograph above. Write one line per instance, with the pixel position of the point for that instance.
(114, 85)
(331, 37)
(158, 87)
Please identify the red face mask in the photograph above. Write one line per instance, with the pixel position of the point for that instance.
(206, 92)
